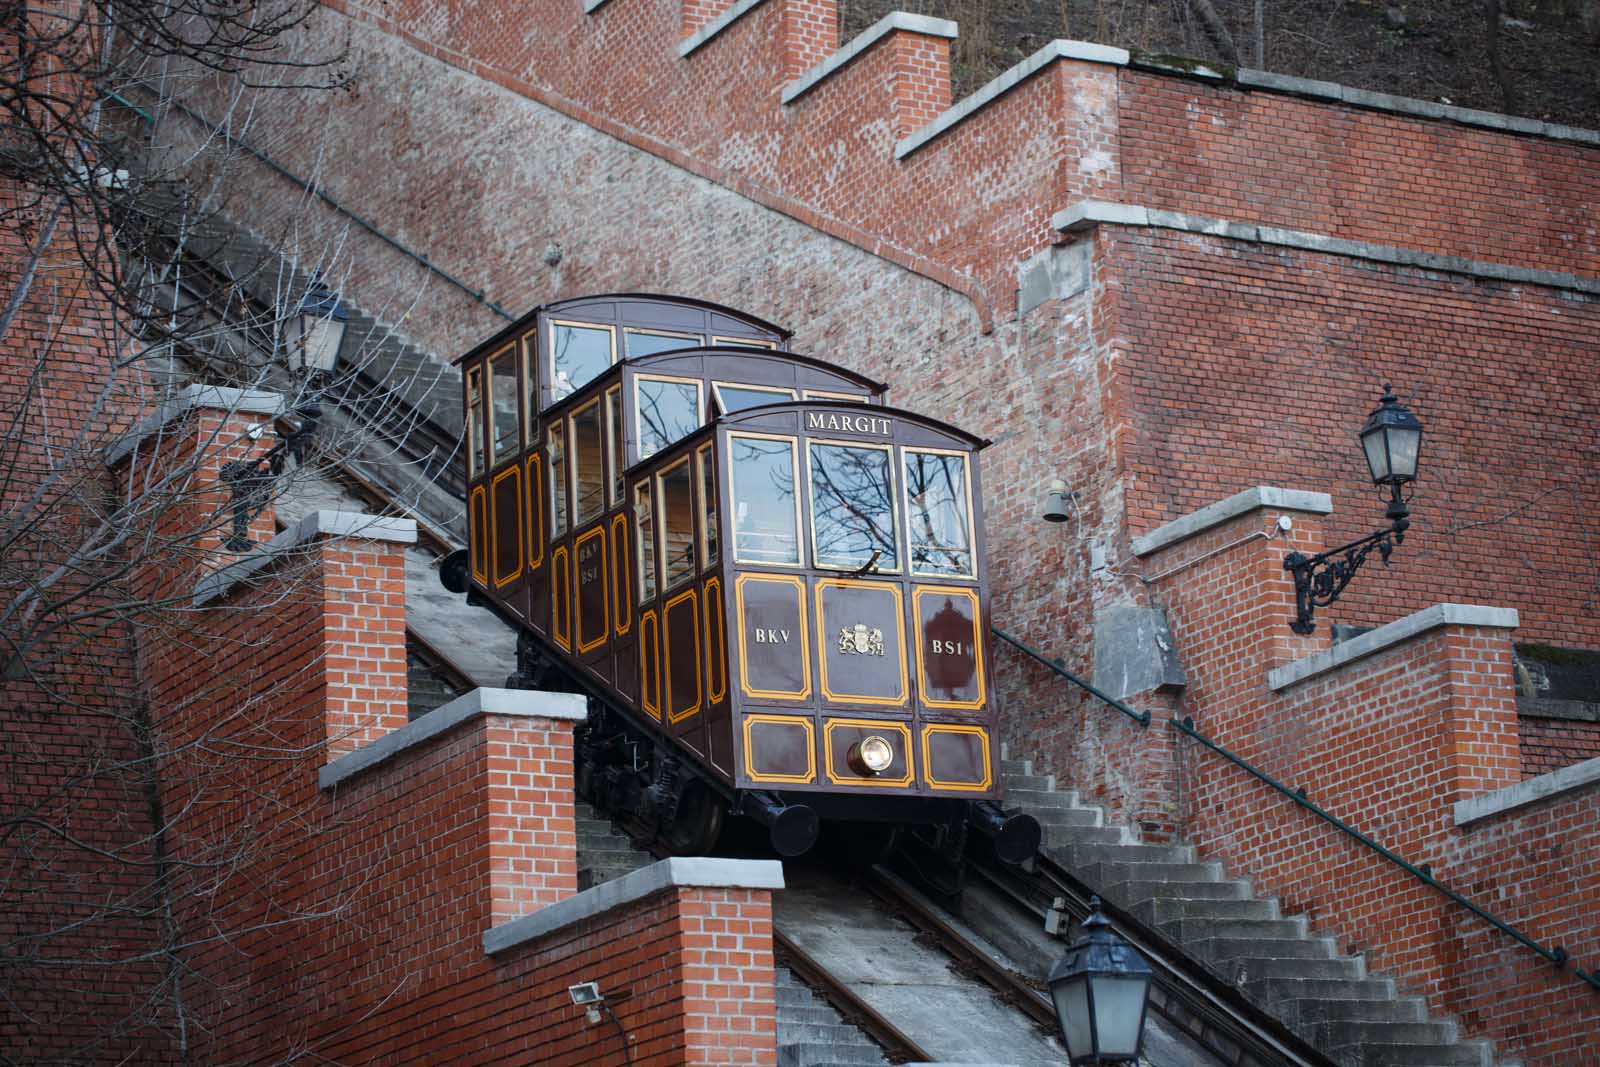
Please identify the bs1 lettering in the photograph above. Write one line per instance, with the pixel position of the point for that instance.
(950, 648)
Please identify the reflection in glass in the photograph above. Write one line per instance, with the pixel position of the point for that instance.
(708, 503)
(580, 353)
(558, 480)
(588, 475)
(936, 494)
(641, 343)
(530, 387)
(733, 398)
(503, 400)
(614, 424)
(667, 411)
(474, 422)
(645, 522)
(852, 507)
(763, 501)
(677, 522)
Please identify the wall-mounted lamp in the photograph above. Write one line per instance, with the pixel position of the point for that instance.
(314, 334)
(1059, 502)
(587, 996)
(251, 480)
(1391, 441)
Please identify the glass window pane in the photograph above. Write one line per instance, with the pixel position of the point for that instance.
(589, 476)
(731, 398)
(530, 386)
(475, 463)
(578, 355)
(763, 494)
(644, 522)
(677, 522)
(708, 503)
(852, 507)
(558, 479)
(936, 499)
(503, 400)
(643, 342)
(614, 426)
(668, 411)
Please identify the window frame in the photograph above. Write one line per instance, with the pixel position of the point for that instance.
(972, 532)
(558, 478)
(788, 391)
(572, 448)
(699, 339)
(816, 557)
(616, 430)
(793, 442)
(744, 342)
(705, 463)
(638, 408)
(848, 398)
(477, 451)
(643, 539)
(550, 384)
(660, 476)
(491, 425)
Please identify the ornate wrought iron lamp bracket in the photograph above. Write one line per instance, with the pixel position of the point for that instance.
(1319, 579)
(251, 480)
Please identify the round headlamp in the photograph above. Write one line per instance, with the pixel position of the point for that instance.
(870, 755)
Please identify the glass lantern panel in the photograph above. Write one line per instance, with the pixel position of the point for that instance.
(1119, 1010)
(1072, 1009)
(1376, 446)
(1403, 447)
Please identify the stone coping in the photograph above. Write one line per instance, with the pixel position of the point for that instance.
(715, 26)
(1007, 81)
(677, 871)
(1212, 515)
(1389, 635)
(316, 524)
(894, 20)
(1244, 79)
(191, 398)
(1086, 214)
(517, 703)
(1545, 787)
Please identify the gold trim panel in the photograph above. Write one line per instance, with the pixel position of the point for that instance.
(675, 717)
(605, 593)
(479, 507)
(650, 645)
(971, 596)
(879, 726)
(621, 577)
(494, 525)
(805, 645)
(965, 787)
(561, 578)
(823, 640)
(811, 750)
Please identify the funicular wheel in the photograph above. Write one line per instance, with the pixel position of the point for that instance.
(698, 824)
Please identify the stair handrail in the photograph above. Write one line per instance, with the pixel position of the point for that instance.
(1140, 717)
(1421, 872)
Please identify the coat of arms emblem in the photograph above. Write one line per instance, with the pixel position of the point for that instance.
(858, 640)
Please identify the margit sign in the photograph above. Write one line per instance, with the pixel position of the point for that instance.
(844, 422)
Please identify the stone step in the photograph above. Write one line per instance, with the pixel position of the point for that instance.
(600, 827)
(1250, 949)
(1041, 782)
(814, 1014)
(1191, 929)
(1110, 873)
(1129, 892)
(1162, 911)
(1343, 1033)
(1308, 1012)
(1088, 854)
(823, 1054)
(1277, 991)
(1463, 1054)
(1087, 818)
(1041, 799)
(834, 1033)
(1066, 837)
(1016, 766)
(1245, 970)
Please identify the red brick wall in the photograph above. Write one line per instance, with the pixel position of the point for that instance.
(76, 908)
(1388, 743)
(1551, 744)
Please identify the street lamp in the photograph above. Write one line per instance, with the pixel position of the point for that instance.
(1391, 441)
(315, 332)
(1100, 988)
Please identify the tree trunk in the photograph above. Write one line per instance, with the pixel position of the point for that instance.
(1217, 31)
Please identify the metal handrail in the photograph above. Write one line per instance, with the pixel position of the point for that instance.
(1140, 717)
(1421, 872)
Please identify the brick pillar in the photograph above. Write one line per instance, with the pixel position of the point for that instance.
(363, 646)
(533, 838)
(1482, 748)
(920, 68)
(729, 1002)
(810, 34)
(697, 14)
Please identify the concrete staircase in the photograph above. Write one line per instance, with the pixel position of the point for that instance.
(604, 852)
(812, 1034)
(1326, 998)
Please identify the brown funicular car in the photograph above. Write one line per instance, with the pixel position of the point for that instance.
(772, 584)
